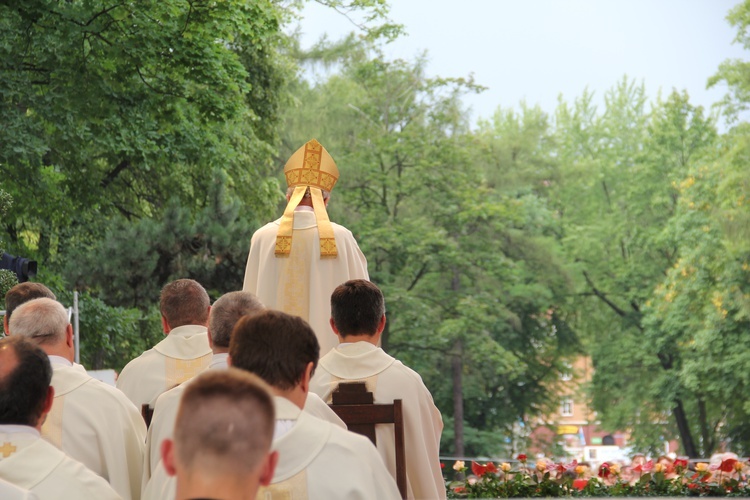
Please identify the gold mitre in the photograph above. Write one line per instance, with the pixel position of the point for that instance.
(310, 169)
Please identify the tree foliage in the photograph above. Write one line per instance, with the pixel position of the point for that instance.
(459, 262)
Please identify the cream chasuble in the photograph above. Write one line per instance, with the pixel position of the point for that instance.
(165, 415)
(180, 356)
(98, 426)
(10, 491)
(301, 283)
(320, 460)
(389, 379)
(32, 463)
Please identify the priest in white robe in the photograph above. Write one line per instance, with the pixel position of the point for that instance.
(225, 313)
(316, 459)
(182, 354)
(27, 460)
(295, 262)
(358, 319)
(222, 437)
(89, 420)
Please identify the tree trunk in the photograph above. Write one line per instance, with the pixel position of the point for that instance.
(457, 367)
(706, 435)
(682, 426)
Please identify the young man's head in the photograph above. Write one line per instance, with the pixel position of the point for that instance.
(357, 309)
(25, 376)
(184, 302)
(226, 312)
(45, 323)
(279, 348)
(222, 437)
(23, 292)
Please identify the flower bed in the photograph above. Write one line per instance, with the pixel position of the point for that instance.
(549, 479)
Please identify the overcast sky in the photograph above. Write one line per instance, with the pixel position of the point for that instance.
(538, 49)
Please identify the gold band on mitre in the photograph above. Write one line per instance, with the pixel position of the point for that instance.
(309, 168)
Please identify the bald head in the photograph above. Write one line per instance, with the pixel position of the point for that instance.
(25, 376)
(224, 424)
(227, 311)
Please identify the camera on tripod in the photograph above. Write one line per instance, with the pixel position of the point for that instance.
(23, 267)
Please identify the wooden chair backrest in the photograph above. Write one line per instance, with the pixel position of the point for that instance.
(355, 406)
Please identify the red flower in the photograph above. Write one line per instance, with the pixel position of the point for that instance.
(680, 464)
(480, 470)
(442, 465)
(522, 458)
(647, 467)
(727, 465)
(580, 484)
(459, 489)
(604, 470)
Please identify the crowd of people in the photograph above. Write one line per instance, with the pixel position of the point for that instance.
(240, 389)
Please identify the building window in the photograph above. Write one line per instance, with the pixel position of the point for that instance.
(566, 407)
(567, 373)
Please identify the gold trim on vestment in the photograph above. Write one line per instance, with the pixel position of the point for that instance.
(325, 229)
(286, 226)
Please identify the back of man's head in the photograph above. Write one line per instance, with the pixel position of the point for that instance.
(184, 302)
(43, 321)
(357, 307)
(224, 424)
(25, 375)
(24, 292)
(227, 311)
(275, 346)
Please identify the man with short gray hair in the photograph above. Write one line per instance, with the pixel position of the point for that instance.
(23, 292)
(89, 420)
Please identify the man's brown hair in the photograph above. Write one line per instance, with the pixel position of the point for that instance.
(184, 302)
(357, 307)
(24, 292)
(225, 421)
(275, 346)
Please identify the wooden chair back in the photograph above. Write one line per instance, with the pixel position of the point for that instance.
(354, 404)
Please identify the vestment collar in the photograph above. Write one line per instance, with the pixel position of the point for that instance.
(356, 361)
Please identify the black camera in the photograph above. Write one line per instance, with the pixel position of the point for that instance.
(23, 267)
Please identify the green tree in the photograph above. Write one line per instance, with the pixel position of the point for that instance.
(617, 191)
(116, 108)
(471, 280)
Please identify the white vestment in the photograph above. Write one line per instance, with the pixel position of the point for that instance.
(10, 491)
(30, 462)
(162, 427)
(319, 460)
(389, 379)
(96, 425)
(301, 284)
(182, 354)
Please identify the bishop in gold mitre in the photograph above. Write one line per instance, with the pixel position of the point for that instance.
(296, 261)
